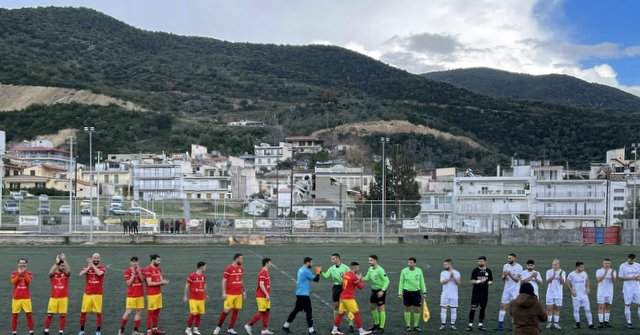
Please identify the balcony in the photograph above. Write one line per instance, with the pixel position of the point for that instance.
(570, 213)
(436, 207)
(570, 196)
(503, 194)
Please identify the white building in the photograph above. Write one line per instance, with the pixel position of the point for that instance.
(157, 180)
(305, 144)
(486, 204)
(267, 155)
(352, 178)
(570, 203)
(207, 187)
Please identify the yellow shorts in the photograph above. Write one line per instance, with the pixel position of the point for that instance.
(154, 302)
(233, 301)
(349, 306)
(91, 303)
(196, 306)
(21, 305)
(58, 306)
(135, 303)
(263, 304)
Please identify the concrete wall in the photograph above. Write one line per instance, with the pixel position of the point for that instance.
(541, 237)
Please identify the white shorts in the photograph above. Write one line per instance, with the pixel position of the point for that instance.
(604, 299)
(553, 301)
(448, 301)
(581, 302)
(508, 296)
(631, 298)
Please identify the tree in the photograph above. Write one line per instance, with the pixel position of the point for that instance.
(402, 191)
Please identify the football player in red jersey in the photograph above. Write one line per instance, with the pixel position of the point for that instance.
(233, 294)
(263, 299)
(134, 279)
(351, 282)
(20, 280)
(93, 290)
(154, 281)
(195, 294)
(59, 274)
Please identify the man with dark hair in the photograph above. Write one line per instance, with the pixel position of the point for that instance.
(578, 283)
(134, 279)
(531, 276)
(263, 299)
(195, 294)
(59, 274)
(21, 299)
(154, 280)
(511, 273)
(335, 274)
(377, 278)
(411, 289)
(233, 293)
(481, 278)
(303, 291)
(351, 282)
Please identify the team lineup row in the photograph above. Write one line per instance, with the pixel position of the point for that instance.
(346, 280)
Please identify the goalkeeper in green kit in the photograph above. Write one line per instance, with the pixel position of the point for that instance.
(411, 289)
(335, 273)
(379, 282)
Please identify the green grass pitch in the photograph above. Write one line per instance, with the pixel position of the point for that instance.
(178, 261)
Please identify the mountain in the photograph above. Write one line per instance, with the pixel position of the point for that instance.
(552, 88)
(189, 87)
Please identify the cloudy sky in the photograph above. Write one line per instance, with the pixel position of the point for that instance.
(595, 40)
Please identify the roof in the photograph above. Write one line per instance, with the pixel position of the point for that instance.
(23, 148)
(302, 138)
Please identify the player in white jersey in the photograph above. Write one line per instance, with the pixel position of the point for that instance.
(578, 283)
(629, 273)
(531, 276)
(605, 276)
(511, 272)
(556, 278)
(450, 280)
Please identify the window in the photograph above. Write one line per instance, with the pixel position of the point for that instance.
(116, 179)
(32, 173)
(618, 198)
(618, 209)
(40, 185)
(106, 179)
(618, 190)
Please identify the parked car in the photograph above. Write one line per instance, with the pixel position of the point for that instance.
(85, 211)
(18, 196)
(133, 211)
(117, 211)
(64, 209)
(44, 210)
(11, 207)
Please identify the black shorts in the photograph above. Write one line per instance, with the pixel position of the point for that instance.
(479, 299)
(411, 298)
(335, 292)
(374, 299)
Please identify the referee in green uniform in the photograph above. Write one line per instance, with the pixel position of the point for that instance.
(334, 273)
(411, 288)
(377, 278)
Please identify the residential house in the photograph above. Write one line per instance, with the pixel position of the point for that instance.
(305, 144)
(267, 156)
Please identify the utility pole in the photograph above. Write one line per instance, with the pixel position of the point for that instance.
(383, 141)
(91, 130)
(635, 147)
(97, 170)
(70, 184)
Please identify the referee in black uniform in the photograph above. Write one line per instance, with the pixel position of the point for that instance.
(481, 278)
